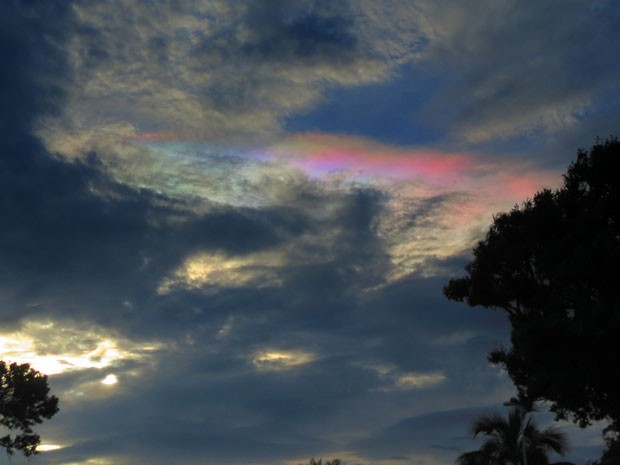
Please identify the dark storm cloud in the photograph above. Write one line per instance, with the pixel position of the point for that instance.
(208, 396)
(338, 389)
(33, 64)
(227, 414)
(208, 400)
(313, 300)
(413, 312)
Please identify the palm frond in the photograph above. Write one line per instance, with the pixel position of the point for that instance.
(476, 457)
(508, 438)
(551, 439)
(492, 424)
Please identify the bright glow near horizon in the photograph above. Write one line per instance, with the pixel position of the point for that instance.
(20, 348)
(49, 447)
(53, 348)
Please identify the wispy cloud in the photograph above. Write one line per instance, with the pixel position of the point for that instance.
(218, 70)
(517, 68)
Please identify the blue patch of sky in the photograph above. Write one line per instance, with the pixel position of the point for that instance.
(387, 112)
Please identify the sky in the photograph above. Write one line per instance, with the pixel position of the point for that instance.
(226, 224)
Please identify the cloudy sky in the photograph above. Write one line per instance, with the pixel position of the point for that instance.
(226, 224)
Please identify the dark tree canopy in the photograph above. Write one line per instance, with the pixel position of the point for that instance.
(24, 402)
(553, 265)
(321, 462)
(611, 455)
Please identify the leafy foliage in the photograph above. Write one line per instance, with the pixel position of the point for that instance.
(611, 455)
(24, 402)
(552, 264)
(508, 438)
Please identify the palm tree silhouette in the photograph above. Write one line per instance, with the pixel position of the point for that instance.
(514, 441)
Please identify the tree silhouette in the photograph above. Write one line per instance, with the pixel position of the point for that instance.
(553, 265)
(611, 455)
(320, 462)
(24, 402)
(513, 441)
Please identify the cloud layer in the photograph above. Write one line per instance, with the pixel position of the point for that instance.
(259, 296)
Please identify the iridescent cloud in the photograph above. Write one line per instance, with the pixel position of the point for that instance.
(360, 159)
(437, 202)
(322, 155)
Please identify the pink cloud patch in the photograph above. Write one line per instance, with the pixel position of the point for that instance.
(319, 155)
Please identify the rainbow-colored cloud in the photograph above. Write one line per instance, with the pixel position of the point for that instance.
(437, 202)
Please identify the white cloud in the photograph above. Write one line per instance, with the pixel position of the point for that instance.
(419, 380)
(278, 359)
(404, 381)
(204, 270)
(218, 70)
